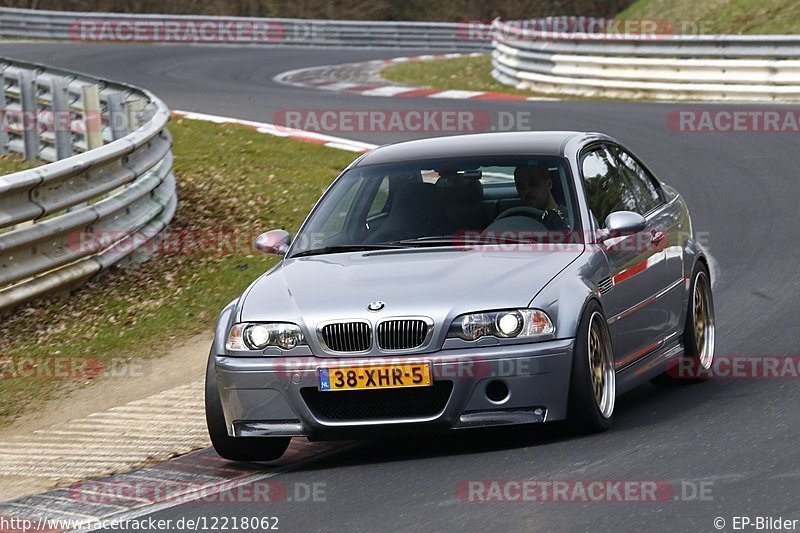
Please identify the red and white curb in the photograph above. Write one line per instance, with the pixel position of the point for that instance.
(282, 131)
(324, 78)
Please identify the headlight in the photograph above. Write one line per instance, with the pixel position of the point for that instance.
(512, 323)
(260, 336)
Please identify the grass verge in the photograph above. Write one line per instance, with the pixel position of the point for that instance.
(721, 16)
(13, 163)
(231, 181)
(459, 73)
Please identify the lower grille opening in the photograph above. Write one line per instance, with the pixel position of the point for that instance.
(381, 404)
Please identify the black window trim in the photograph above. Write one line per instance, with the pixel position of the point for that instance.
(653, 178)
(582, 154)
(605, 144)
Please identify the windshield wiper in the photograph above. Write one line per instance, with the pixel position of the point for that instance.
(503, 239)
(346, 248)
(456, 240)
(432, 240)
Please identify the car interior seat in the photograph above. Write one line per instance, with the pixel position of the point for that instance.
(416, 211)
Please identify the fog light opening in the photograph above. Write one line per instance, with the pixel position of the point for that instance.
(497, 391)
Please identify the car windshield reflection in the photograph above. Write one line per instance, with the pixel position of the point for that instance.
(450, 202)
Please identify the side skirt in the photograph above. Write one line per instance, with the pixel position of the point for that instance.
(648, 367)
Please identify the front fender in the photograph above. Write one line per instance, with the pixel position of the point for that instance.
(224, 322)
(567, 295)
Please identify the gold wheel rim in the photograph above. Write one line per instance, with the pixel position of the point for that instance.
(601, 366)
(703, 321)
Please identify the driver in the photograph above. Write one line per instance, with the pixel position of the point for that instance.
(535, 188)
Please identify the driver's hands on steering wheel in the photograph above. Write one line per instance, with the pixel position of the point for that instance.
(553, 219)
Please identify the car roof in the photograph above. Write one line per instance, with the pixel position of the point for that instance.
(547, 143)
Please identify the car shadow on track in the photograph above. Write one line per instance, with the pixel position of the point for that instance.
(650, 405)
(636, 410)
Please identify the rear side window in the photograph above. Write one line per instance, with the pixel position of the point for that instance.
(641, 182)
(606, 189)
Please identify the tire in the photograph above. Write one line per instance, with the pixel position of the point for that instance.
(592, 390)
(235, 448)
(698, 338)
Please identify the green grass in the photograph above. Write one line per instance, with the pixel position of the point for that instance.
(722, 16)
(230, 179)
(460, 73)
(14, 163)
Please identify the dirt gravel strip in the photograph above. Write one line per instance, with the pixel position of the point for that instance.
(201, 475)
(166, 424)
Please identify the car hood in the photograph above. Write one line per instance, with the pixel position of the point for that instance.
(437, 283)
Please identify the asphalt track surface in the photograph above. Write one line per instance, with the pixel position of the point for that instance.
(742, 436)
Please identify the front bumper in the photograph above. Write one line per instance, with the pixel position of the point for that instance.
(263, 396)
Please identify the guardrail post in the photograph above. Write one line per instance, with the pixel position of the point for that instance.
(117, 117)
(3, 117)
(135, 108)
(44, 246)
(30, 123)
(62, 120)
(93, 120)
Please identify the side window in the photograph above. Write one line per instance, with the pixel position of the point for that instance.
(641, 182)
(381, 196)
(606, 189)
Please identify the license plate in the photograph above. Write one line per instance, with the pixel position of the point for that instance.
(375, 377)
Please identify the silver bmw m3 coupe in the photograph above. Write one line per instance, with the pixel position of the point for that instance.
(464, 282)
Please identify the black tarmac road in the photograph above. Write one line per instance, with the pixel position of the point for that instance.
(737, 439)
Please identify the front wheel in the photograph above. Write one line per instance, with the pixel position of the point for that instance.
(592, 392)
(235, 448)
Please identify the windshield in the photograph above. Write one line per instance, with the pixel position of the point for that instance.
(443, 202)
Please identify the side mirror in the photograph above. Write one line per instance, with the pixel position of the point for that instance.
(624, 223)
(274, 242)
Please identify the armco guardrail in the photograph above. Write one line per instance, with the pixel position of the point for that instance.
(672, 67)
(108, 190)
(78, 26)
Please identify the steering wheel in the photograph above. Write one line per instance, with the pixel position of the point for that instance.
(522, 210)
